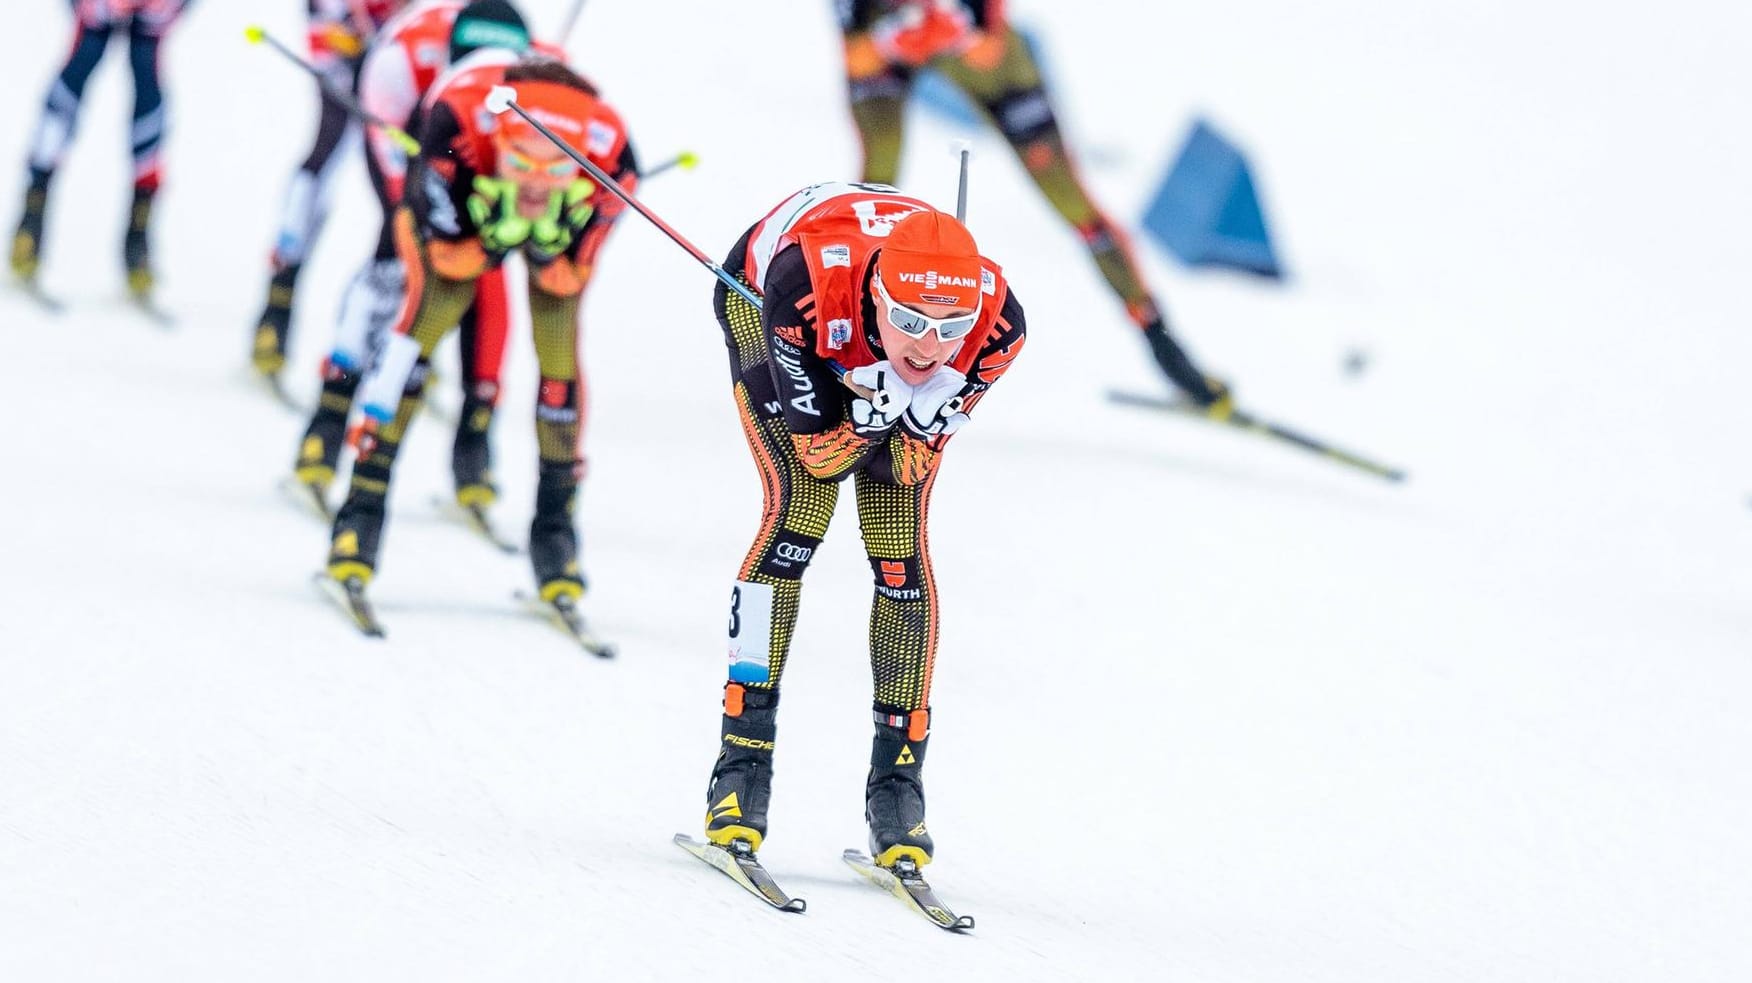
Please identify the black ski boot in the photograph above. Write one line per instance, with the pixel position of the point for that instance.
(357, 535)
(553, 540)
(894, 793)
(1206, 391)
(136, 249)
(742, 777)
(320, 451)
(268, 352)
(27, 242)
(358, 529)
(471, 456)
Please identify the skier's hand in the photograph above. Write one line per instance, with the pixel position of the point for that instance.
(336, 39)
(569, 210)
(935, 409)
(889, 395)
(492, 205)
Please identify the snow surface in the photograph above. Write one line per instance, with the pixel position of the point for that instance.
(1207, 709)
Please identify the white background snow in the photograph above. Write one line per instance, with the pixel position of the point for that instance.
(1207, 709)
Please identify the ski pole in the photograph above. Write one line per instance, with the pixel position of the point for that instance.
(964, 150)
(257, 35)
(571, 20)
(1242, 420)
(502, 97)
(1278, 431)
(687, 160)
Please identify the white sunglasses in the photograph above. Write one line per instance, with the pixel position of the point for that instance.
(914, 324)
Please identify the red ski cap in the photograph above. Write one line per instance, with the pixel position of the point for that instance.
(930, 258)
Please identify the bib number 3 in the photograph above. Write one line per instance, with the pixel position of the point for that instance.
(750, 632)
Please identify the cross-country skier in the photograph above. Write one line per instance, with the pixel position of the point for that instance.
(483, 187)
(340, 31)
(143, 23)
(895, 292)
(405, 60)
(970, 43)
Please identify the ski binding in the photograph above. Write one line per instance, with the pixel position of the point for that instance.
(562, 612)
(904, 881)
(349, 594)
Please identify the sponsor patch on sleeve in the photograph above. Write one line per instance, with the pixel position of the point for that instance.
(600, 138)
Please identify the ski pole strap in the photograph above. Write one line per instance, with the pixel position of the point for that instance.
(258, 35)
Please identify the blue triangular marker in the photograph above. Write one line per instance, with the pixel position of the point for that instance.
(1207, 212)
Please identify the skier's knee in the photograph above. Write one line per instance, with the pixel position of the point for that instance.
(1024, 116)
(898, 579)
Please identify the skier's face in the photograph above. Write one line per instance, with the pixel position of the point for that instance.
(916, 345)
(539, 169)
(916, 358)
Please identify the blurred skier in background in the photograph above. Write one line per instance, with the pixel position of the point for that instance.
(143, 23)
(973, 46)
(401, 65)
(862, 278)
(483, 187)
(340, 31)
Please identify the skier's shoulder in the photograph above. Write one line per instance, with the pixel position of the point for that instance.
(789, 280)
(467, 81)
